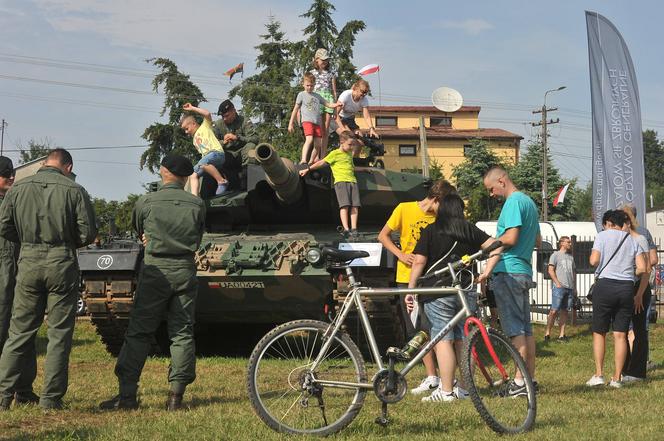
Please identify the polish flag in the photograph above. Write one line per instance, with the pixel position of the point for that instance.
(369, 69)
(560, 197)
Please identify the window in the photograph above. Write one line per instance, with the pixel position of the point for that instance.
(407, 150)
(386, 121)
(466, 148)
(440, 121)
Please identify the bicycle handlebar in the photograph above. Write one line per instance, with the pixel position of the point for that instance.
(464, 261)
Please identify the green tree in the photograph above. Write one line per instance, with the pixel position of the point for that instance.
(321, 32)
(34, 150)
(268, 96)
(653, 158)
(114, 213)
(527, 175)
(169, 137)
(582, 205)
(468, 179)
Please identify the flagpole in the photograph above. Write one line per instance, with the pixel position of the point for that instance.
(380, 101)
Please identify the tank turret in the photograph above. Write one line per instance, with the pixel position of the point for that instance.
(280, 174)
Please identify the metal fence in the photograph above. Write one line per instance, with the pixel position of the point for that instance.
(581, 249)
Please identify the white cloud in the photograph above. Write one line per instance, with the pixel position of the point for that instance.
(208, 27)
(471, 26)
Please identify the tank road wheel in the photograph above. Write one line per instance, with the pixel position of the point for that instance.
(282, 387)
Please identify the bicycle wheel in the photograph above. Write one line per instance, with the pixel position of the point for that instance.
(281, 386)
(500, 407)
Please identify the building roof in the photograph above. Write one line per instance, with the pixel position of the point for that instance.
(419, 109)
(446, 133)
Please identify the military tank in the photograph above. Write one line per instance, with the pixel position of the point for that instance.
(259, 262)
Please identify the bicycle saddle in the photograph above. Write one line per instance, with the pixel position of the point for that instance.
(340, 256)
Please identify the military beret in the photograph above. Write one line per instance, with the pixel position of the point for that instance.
(178, 165)
(225, 106)
(6, 167)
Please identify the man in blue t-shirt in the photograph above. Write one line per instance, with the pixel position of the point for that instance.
(518, 229)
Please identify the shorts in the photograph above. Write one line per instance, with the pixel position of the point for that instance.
(348, 194)
(442, 310)
(350, 123)
(215, 158)
(311, 129)
(613, 302)
(561, 298)
(327, 94)
(512, 292)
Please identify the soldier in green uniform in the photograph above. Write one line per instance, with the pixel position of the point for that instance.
(51, 216)
(8, 263)
(171, 222)
(237, 135)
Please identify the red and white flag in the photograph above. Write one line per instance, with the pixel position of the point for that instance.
(560, 197)
(369, 69)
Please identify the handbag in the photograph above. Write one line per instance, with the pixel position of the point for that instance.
(589, 296)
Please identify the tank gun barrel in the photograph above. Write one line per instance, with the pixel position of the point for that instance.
(280, 174)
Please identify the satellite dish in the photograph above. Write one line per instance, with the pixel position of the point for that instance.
(446, 99)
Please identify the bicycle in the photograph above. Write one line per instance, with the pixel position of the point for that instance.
(309, 377)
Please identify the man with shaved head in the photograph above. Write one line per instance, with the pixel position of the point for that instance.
(518, 229)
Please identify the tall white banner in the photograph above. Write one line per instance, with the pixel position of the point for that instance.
(618, 173)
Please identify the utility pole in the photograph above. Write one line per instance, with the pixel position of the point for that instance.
(2, 137)
(423, 149)
(545, 152)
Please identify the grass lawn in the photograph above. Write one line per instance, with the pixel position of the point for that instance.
(219, 407)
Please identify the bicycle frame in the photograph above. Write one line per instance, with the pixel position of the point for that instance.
(355, 298)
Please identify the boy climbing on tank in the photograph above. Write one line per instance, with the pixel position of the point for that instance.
(345, 183)
(212, 154)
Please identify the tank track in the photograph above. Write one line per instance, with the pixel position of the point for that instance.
(109, 301)
(112, 330)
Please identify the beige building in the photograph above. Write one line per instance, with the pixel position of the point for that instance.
(448, 135)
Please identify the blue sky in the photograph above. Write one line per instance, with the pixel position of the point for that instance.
(502, 56)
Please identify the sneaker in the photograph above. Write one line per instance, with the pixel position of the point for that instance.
(427, 385)
(221, 189)
(546, 338)
(461, 393)
(630, 379)
(616, 384)
(440, 396)
(563, 339)
(513, 390)
(595, 381)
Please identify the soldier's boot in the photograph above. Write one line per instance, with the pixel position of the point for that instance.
(5, 403)
(120, 402)
(26, 398)
(174, 401)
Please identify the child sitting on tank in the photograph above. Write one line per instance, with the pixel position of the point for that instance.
(208, 146)
(345, 183)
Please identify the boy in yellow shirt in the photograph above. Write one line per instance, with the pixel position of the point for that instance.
(408, 218)
(345, 183)
(212, 154)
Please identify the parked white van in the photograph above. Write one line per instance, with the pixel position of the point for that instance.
(582, 234)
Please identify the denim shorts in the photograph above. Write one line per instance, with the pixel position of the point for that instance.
(513, 302)
(440, 312)
(561, 298)
(215, 158)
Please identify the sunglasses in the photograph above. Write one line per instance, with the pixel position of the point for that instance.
(364, 92)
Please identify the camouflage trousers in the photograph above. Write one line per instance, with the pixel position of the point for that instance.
(163, 293)
(8, 267)
(47, 282)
